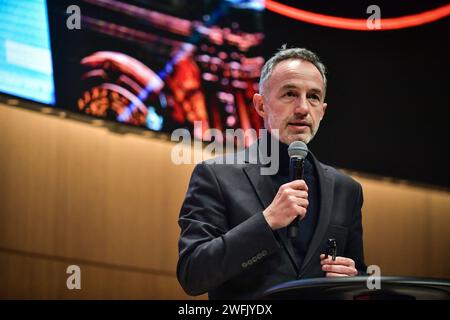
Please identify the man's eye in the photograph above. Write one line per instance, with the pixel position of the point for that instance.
(290, 94)
(314, 97)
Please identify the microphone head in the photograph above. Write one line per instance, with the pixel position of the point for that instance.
(298, 149)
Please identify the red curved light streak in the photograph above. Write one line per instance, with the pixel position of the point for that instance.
(358, 24)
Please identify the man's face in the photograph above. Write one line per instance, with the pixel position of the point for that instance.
(292, 101)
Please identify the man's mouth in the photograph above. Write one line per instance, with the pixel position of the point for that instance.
(299, 124)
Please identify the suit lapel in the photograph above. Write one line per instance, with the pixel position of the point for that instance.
(264, 189)
(326, 183)
(262, 184)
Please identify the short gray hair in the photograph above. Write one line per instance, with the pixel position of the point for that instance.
(292, 53)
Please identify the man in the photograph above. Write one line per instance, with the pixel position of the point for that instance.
(234, 220)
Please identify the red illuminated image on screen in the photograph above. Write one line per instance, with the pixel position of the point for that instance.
(161, 71)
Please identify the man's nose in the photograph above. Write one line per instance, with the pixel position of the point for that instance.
(302, 106)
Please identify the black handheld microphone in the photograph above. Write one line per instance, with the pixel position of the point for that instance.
(297, 152)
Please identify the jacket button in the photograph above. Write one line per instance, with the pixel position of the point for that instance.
(244, 265)
(264, 252)
(259, 256)
(254, 259)
(249, 262)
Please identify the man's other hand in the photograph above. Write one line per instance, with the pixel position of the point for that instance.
(341, 267)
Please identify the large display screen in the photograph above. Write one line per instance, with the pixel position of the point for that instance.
(25, 59)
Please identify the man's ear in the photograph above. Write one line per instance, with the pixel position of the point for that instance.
(325, 105)
(258, 103)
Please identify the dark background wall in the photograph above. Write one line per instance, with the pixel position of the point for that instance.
(387, 91)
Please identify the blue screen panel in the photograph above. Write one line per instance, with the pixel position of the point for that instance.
(25, 57)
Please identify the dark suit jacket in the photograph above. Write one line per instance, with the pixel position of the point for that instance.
(226, 247)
